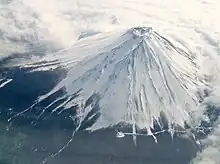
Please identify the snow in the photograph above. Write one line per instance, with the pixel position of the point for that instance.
(5, 82)
(176, 73)
(137, 73)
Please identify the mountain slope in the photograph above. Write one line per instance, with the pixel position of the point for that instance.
(133, 77)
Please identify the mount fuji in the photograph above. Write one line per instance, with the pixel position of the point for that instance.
(134, 76)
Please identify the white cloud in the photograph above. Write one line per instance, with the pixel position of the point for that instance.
(63, 21)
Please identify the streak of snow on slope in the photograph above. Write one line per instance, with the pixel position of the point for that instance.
(4, 82)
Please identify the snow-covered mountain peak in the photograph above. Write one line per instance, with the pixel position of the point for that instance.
(136, 75)
(130, 77)
(141, 31)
